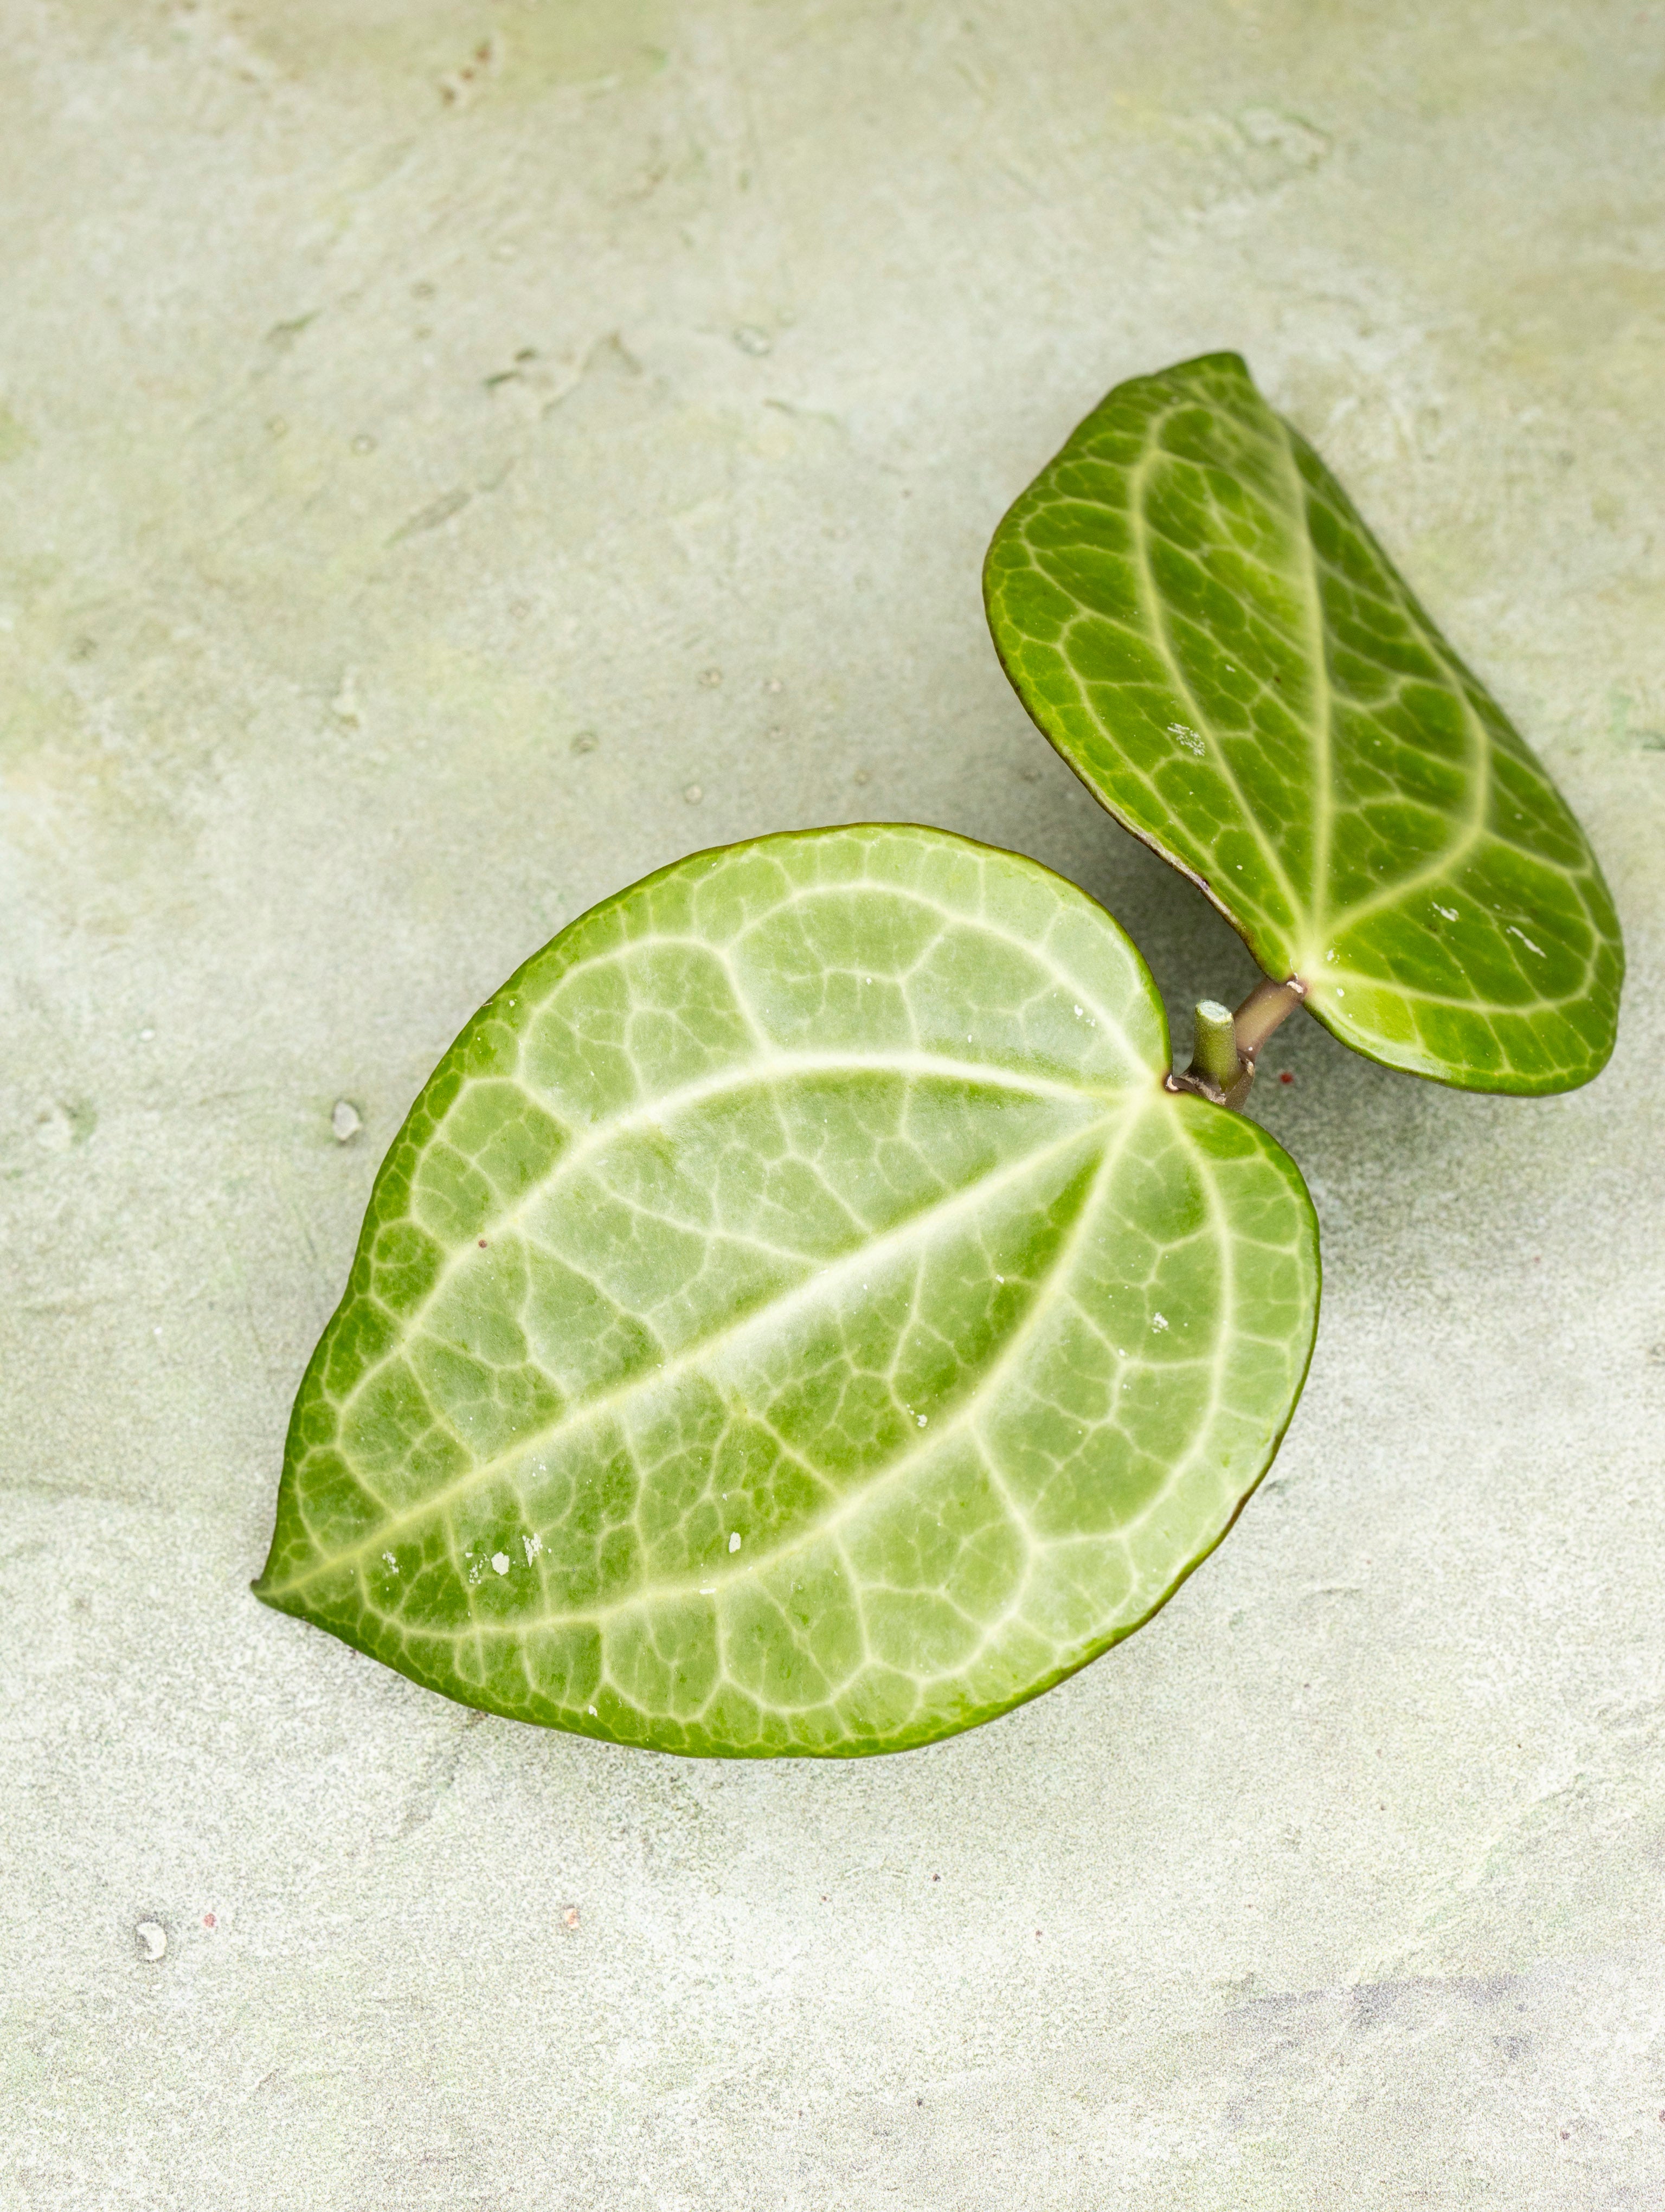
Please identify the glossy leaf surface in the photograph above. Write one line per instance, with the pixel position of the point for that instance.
(795, 1318)
(1192, 610)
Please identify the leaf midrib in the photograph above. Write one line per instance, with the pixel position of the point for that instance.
(826, 1527)
(1323, 729)
(913, 1065)
(772, 1313)
(1139, 476)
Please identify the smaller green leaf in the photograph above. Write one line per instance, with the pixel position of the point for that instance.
(1190, 607)
(795, 1317)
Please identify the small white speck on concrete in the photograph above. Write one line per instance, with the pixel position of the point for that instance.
(694, 792)
(345, 1120)
(345, 705)
(54, 1128)
(152, 1936)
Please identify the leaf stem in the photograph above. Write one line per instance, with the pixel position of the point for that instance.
(1228, 1045)
(1267, 1005)
(1215, 1055)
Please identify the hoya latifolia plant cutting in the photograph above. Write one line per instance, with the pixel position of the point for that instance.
(805, 1311)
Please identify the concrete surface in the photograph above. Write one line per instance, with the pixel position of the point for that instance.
(457, 457)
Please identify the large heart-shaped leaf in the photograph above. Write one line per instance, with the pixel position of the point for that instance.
(795, 1317)
(1190, 607)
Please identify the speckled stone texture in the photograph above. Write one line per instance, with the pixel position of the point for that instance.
(456, 457)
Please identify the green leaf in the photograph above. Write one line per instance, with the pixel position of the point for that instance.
(795, 1317)
(1190, 607)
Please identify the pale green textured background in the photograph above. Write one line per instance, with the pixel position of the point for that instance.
(394, 390)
